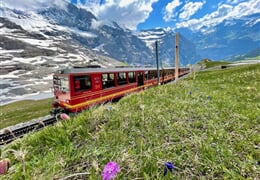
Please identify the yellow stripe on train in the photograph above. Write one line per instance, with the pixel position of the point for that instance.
(100, 99)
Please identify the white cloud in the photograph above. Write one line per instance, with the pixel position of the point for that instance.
(190, 9)
(245, 9)
(33, 4)
(235, 1)
(125, 3)
(208, 20)
(82, 33)
(224, 12)
(96, 24)
(169, 12)
(127, 13)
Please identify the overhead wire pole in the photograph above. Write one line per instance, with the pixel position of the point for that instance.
(157, 63)
(176, 57)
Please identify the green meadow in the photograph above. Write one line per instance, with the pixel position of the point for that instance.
(23, 111)
(206, 125)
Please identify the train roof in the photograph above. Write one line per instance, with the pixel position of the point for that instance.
(104, 70)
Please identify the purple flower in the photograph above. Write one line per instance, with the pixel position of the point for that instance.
(168, 166)
(4, 166)
(110, 170)
(109, 108)
(190, 92)
(64, 116)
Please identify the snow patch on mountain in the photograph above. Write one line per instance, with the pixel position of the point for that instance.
(30, 20)
(150, 36)
(82, 33)
(24, 5)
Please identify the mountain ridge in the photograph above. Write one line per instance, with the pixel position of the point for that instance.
(229, 38)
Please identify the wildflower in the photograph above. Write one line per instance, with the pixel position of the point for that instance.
(142, 107)
(110, 171)
(190, 92)
(208, 97)
(109, 108)
(64, 116)
(4, 166)
(168, 166)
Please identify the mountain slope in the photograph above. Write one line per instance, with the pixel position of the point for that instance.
(86, 30)
(110, 40)
(166, 46)
(229, 38)
(28, 58)
(251, 55)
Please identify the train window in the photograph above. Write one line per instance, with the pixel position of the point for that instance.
(121, 78)
(152, 74)
(61, 83)
(56, 80)
(108, 80)
(145, 75)
(131, 77)
(56, 83)
(64, 84)
(82, 83)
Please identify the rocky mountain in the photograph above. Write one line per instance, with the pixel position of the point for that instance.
(166, 46)
(32, 48)
(86, 30)
(229, 38)
(251, 55)
(107, 39)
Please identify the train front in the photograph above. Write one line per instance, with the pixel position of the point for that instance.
(61, 92)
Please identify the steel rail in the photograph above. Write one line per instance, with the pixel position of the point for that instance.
(11, 133)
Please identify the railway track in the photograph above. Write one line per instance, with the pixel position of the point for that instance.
(11, 133)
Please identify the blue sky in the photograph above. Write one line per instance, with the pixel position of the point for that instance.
(147, 14)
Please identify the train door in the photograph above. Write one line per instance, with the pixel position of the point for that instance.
(140, 78)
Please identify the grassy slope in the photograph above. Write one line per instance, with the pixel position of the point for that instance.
(22, 111)
(215, 63)
(207, 127)
(209, 64)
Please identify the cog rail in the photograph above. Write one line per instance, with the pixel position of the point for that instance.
(11, 133)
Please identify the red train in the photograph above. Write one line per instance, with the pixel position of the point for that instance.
(77, 89)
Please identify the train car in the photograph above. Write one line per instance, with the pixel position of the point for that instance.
(77, 89)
